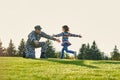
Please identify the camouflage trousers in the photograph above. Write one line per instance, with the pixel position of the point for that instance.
(30, 50)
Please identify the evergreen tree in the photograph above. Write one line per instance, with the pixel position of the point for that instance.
(90, 53)
(87, 53)
(106, 58)
(11, 49)
(95, 53)
(115, 55)
(82, 52)
(21, 48)
(50, 51)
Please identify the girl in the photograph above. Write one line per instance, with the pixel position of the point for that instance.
(65, 42)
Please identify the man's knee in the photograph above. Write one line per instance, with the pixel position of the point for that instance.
(44, 45)
(30, 53)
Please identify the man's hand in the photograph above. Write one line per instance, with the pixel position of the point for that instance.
(36, 42)
(58, 40)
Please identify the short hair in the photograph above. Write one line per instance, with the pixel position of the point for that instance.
(66, 28)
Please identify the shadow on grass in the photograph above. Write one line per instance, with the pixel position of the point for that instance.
(107, 62)
(76, 62)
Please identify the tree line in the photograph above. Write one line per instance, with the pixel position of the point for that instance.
(86, 51)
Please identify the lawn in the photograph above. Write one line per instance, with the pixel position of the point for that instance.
(16, 68)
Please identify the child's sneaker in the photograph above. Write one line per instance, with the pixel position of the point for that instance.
(75, 55)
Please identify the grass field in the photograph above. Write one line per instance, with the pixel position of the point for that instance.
(13, 68)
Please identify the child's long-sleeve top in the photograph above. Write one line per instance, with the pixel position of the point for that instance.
(65, 37)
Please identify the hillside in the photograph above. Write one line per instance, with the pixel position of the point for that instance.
(13, 68)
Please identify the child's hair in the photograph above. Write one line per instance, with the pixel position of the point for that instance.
(66, 28)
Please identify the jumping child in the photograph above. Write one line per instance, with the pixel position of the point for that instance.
(65, 42)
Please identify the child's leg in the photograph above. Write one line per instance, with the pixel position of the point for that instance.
(62, 53)
(68, 51)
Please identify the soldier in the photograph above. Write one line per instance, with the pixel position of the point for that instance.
(33, 42)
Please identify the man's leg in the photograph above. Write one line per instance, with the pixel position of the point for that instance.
(44, 48)
(30, 52)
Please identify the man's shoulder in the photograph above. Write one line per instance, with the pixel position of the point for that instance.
(32, 32)
(43, 34)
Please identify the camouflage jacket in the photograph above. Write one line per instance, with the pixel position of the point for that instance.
(34, 36)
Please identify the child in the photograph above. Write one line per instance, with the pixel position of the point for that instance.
(65, 42)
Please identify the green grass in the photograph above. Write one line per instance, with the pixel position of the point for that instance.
(13, 68)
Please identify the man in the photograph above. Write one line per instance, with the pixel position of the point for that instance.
(33, 42)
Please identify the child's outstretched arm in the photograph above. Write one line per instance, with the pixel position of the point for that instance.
(75, 35)
(58, 35)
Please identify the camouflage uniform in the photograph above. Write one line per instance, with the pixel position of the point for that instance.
(30, 46)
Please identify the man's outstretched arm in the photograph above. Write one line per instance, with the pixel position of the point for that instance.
(49, 37)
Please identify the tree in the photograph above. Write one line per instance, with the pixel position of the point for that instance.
(1, 48)
(87, 53)
(11, 49)
(115, 55)
(106, 58)
(50, 53)
(82, 52)
(90, 53)
(95, 52)
(21, 48)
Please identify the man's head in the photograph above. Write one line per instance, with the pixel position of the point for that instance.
(38, 29)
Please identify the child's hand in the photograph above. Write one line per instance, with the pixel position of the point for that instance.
(58, 40)
(80, 36)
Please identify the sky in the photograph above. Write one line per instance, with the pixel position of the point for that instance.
(97, 20)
